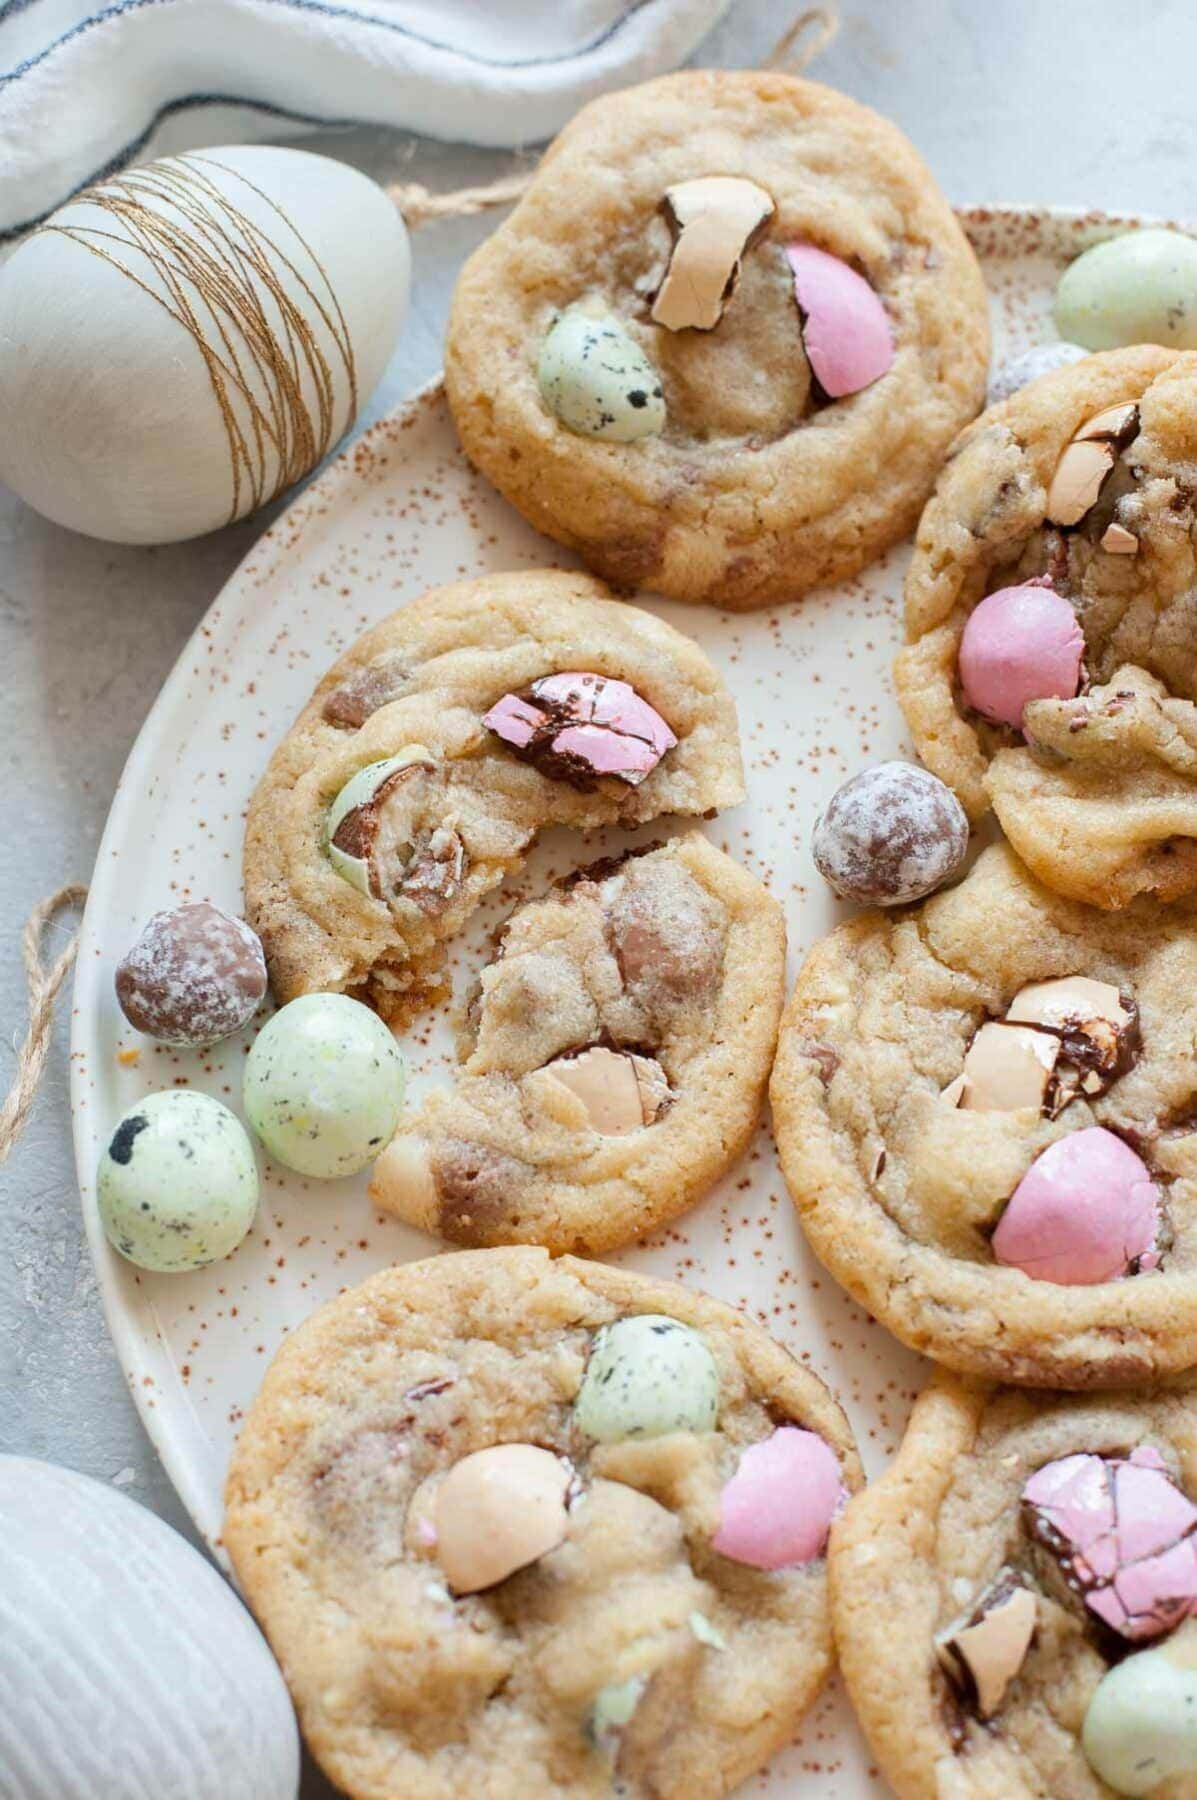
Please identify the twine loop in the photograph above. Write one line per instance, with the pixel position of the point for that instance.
(44, 984)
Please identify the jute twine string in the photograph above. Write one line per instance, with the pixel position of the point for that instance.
(283, 422)
(44, 984)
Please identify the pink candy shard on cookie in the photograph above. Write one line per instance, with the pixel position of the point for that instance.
(576, 727)
(844, 328)
(1020, 644)
(1086, 1210)
(1122, 1532)
(777, 1509)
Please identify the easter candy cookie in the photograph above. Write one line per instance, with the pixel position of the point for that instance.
(1013, 1600)
(1051, 671)
(540, 1530)
(724, 341)
(431, 755)
(985, 1109)
(616, 1056)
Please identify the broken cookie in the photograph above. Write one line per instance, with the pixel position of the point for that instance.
(614, 1064)
(368, 845)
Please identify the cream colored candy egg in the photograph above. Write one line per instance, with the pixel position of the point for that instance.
(184, 341)
(498, 1510)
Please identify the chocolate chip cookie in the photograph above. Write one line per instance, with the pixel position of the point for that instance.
(986, 1112)
(1051, 612)
(722, 344)
(1013, 1598)
(436, 749)
(537, 1529)
(614, 1059)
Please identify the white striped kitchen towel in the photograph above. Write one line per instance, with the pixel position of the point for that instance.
(87, 87)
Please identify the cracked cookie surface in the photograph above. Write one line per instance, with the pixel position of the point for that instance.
(900, 1187)
(933, 1536)
(1098, 791)
(463, 809)
(614, 1061)
(758, 486)
(404, 1690)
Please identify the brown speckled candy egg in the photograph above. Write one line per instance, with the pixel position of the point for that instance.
(194, 976)
(890, 835)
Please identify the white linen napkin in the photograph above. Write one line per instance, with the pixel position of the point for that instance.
(86, 87)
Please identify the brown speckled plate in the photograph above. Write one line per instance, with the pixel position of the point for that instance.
(399, 512)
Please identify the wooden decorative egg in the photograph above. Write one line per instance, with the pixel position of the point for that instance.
(184, 341)
(129, 1670)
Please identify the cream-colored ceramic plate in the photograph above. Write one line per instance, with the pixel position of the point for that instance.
(398, 513)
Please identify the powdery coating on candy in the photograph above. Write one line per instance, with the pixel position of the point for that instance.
(194, 976)
(776, 1510)
(844, 328)
(578, 726)
(1085, 1211)
(1040, 360)
(890, 835)
(1020, 644)
(1123, 1533)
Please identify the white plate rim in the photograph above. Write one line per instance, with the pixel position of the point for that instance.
(130, 1340)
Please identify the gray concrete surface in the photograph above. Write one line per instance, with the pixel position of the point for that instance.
(1078, 102)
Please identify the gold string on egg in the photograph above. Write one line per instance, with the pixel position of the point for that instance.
(219, 275)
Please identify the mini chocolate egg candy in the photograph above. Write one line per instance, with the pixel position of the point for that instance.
(597, 380)
(194, 976)
(983, 1650)
(1123, 1535)
(1140, 288)
(892, 834)
(715, 221)
(776, 1510)
(324, 1085)
(1086, 1210)
(1140, 1726)
(1040, 360)
(178, 1185)
(845, 331)
(498, 1510)
(577, 726)
(369, 827)
(1020, 644)
(647, 1375)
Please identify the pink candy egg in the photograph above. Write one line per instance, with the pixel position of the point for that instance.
(844, 327)
(777, 1509)
(1021, 643)
(1122, 1532)
(1085, 1211)
(577, 726)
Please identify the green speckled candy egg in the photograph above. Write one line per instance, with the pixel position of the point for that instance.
(324, 1085)
(647, 1375)
(597, 379)
(1141, 1726)
(177, 1185)
(1136, 289)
